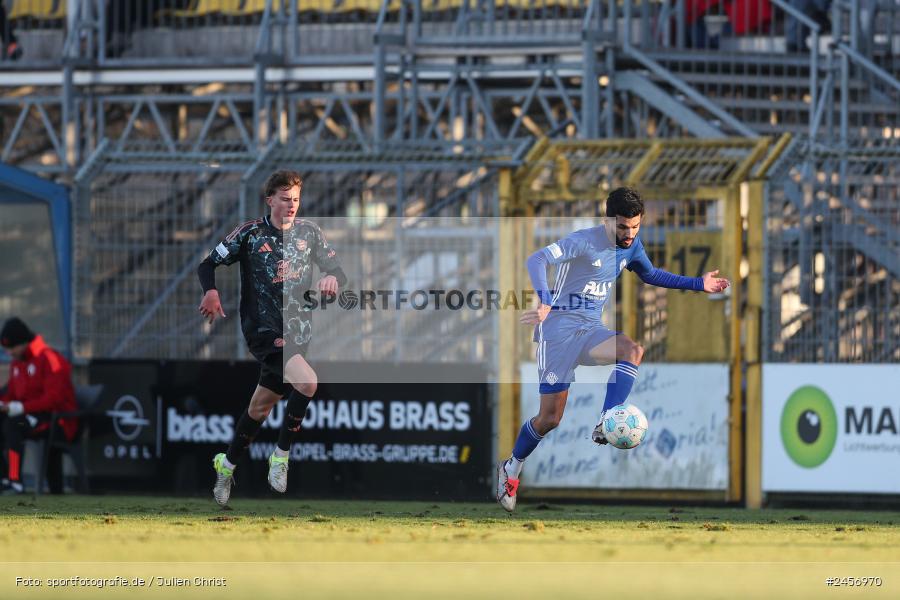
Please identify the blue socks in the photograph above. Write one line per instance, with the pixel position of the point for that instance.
(619, 385)
(526, 442)
(617, 390)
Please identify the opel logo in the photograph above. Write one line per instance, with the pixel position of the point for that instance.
(128, 418)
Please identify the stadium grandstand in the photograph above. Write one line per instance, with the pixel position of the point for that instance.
(770, 124)
(444, 148)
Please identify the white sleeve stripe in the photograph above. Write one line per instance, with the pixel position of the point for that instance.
(555, 250)
(560, 282)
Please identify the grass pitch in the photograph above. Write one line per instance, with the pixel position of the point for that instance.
(344, 549)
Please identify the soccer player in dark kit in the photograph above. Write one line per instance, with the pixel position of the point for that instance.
(276, 253)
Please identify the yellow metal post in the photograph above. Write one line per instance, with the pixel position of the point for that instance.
(752, 352)
(734, 238)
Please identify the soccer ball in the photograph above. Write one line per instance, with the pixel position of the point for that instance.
(625, 426)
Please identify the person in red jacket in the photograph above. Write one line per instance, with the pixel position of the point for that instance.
(744, 17)
(40, 383)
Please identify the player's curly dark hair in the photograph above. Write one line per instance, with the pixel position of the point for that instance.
(281, 180)
(624, 202)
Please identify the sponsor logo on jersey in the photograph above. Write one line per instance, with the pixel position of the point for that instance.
(597, 263)
(301, 245)
(265, 248)
(555, 250)
(552, 378)
(279, 342)
(597, 289)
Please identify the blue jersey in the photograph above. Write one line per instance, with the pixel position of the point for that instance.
(588, 264)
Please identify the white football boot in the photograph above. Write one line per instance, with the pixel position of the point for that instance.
(598, 436)
(278, 470)
(506, 488)
(224, 480)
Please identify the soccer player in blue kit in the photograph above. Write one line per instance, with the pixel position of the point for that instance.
(568, 327)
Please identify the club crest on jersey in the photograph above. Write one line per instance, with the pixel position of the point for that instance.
(301, 245)
(31, 370)
(622, 264)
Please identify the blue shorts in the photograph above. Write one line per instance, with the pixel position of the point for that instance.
(557, 359)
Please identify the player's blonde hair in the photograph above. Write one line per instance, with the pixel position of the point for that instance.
(281, 180)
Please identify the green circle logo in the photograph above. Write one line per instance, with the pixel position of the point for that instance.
(809, 426)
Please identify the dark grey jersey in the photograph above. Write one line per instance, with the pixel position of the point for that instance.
(276, 264)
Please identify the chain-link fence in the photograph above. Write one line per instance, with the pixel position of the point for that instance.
(144, 222)
(139, 239)
(833, 256)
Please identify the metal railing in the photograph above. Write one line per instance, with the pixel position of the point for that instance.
(736, 55)
(226, 31)
(876, 112)
(831, 255)
(223, 32)
(871, 28)
(32, 32)
(463, 22)
(750, 93)
(188, 32)
(882, 41)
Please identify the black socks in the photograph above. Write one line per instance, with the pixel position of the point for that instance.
(293, 417)
(244, 433)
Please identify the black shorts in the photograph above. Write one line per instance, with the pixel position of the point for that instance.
(268, 350)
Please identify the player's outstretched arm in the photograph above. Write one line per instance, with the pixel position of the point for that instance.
(640, 264)
(713, 284)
